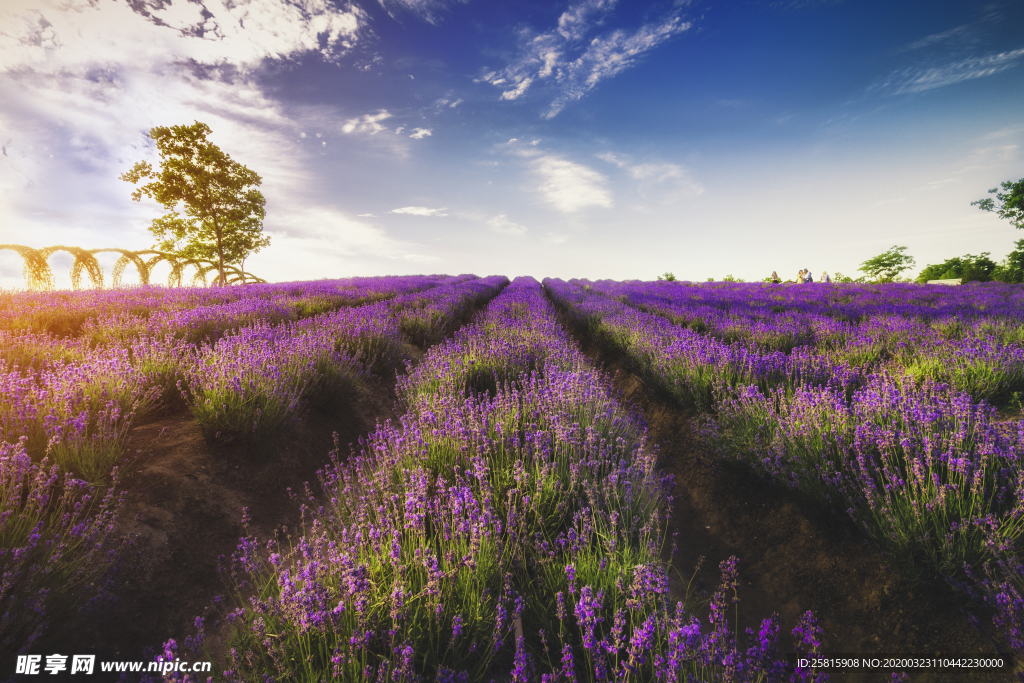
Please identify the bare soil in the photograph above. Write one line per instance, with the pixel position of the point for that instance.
(793, 555)
(185, 504)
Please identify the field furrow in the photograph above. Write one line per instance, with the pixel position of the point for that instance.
(182, 495)
(930, 476)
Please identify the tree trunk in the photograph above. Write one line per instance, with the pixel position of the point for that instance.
(220, 252)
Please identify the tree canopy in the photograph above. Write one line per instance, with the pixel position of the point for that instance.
(887, 266)
(968, 267)
(223, 212)
(1010, 202)
(1012, 267)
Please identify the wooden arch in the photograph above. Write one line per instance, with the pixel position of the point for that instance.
(84, 261)
(35, 268)
(38, 274)
(122, 262)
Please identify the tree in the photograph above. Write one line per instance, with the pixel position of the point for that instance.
(224, 213)
(968, 268)
(667, 276)
(1011, 202)
(1012, 268)
(887, 266)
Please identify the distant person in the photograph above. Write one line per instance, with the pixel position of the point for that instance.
(775, 278)
(800, 276)
(825, 277)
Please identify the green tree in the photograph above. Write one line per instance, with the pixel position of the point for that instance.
(887, 266)
(1011, 202)
(1012, 268)
(223, 212)
(667, 276)
(968, 267)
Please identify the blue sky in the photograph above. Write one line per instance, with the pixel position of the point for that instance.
(575, 139)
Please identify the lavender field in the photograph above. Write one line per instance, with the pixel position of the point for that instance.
(505, 511)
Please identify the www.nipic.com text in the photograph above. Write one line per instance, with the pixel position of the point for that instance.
(86, 664)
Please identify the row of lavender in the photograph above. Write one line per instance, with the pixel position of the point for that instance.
(78, 401)
(970, 337)
(512, 521)
(63, 421)
(72, 322)
(850, 302)
(934, 477)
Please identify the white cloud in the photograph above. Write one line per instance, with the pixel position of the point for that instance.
(569, 186)
(960, 34)
(82, 81)
(49, 36)
(367, 123)
(420, 211)
(517, 91)
(420, 133)
(573, 66)
(1003, 133)
(672, 181)
(455, 104)
(367, 215)
(331, 231)
(428, 10)
(577, 21)
(919, 79)
(501, 224)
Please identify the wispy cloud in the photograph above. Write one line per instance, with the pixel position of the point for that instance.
(329, 231)
(367, 123)
(420, 133)
(501, 224)
(569, 186)
(919, 79)
(443, 103)
(53, 35)
(1003, 132)
(420, 211)
(573, 66)
(965, 34)
(801, 4)
(428, 10)
(672, 181)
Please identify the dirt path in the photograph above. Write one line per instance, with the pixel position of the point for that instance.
(793, 556)
(185, 501)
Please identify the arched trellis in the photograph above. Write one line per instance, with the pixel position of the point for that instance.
(176, 263)
(37, 271)
(38, 274)
(122, 262)
(83, 261)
